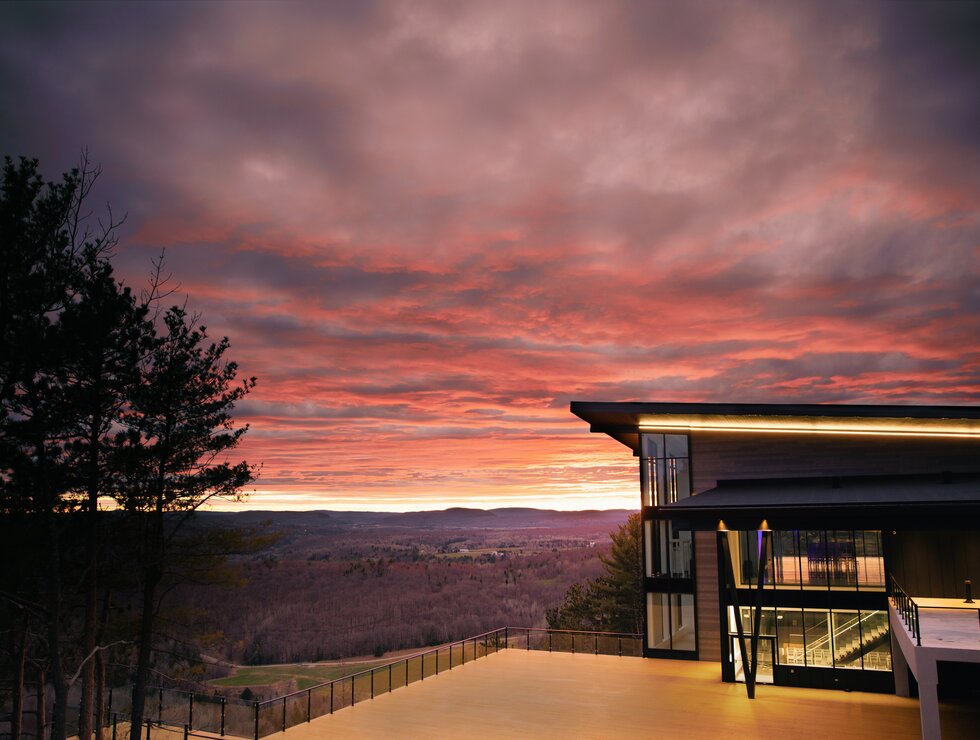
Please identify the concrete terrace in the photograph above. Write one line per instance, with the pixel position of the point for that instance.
(518, 694)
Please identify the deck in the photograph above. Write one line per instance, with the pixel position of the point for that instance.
(518, 694)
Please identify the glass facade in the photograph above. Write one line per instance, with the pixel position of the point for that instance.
(668, 552)
(822, 638)
(838, 559)
(665, 468)
(670, 621)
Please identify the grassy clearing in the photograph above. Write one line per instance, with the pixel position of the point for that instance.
(304, 675)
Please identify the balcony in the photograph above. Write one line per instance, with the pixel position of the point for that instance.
(931, 635)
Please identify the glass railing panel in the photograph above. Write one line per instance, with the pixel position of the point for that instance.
(270, 718)
(382, 680)
(239, 719)
(296, 709)
(362, 687)
(342, 694)
(320, 701)
(414, 669)
(428, 665)
(398, 675)
(207, 714)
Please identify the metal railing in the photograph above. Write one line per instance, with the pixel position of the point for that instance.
(203, 715)
(575, 641)
(907, 609)
(283, 712)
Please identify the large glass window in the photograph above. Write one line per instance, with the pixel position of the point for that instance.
(658, 621)
(681, 552)
(816, 635)
(670, 622)
(869, 560)
(665, 468)
(812, 559)
(668, 551)
(823, 639)
(848, 646)
(786, 558)
(815, 558)
(841, 560)
(682, 622)
(874, 632)
(790, 645)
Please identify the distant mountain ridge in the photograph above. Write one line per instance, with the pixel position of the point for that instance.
(455, 517)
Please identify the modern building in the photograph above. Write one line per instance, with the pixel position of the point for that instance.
(815, 514)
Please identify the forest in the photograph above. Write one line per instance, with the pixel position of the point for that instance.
(340, 585)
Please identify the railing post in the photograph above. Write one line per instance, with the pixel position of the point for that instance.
(149, 722)
(331, 697)
(185, 732)
(222, 717)
(620, 647)
(437, 661)
(190, 711)
(529, 639)
(549, 640)
(255, 729)
(596, 643)
(506, 637)
(284, 714)
(390, 686)
(115, 720)
(353, 697)
(160, 709)
(372, 683)
(309, 704)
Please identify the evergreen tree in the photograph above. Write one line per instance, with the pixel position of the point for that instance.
(175, 454)
(613, 602)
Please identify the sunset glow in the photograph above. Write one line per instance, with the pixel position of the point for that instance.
(427, 227)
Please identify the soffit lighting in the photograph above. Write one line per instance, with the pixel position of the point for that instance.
(946, 428)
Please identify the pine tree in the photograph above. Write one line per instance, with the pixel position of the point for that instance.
(179, 434)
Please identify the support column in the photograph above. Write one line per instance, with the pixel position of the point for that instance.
(928, 679)
(900, 666)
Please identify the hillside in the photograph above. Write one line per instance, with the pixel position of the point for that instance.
(339, 584)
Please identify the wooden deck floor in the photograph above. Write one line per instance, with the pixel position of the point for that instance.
(516, 694)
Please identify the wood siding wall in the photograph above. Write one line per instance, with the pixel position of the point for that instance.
(725, 456)
(934, 563)
(706, 595)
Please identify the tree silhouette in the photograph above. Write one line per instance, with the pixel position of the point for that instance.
(174, 456)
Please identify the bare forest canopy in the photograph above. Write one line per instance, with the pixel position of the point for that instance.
(338, 585)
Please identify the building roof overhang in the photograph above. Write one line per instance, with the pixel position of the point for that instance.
(625, 421)
(947, 501)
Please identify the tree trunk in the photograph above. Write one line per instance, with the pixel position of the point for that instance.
(86, 708)
(20, 657)
(145, 648)
(100, 718)
(42, 714)
(59, 713)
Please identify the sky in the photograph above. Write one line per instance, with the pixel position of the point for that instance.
(426, 227)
